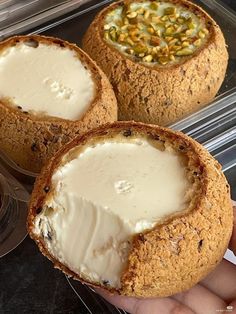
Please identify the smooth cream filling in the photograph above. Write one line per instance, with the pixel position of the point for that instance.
(110, 192)
(166, 40)
(46, 79)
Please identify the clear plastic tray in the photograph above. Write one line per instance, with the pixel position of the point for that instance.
(20, 16)
(13, 212)
(213, 126)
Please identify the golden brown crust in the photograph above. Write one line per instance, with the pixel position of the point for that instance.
(184, 248)
(160, 94)
(29, 139)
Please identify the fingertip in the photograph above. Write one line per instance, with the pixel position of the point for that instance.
(126, 303)
(104, 292)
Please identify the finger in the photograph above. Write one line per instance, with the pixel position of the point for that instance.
(232, 307)
(232, 244)
(147, 306)
(201, 300)
(222, 281)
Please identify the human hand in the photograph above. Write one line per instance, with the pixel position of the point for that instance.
(215, 294)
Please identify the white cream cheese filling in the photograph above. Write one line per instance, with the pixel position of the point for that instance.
(46, 79)
(110, 192)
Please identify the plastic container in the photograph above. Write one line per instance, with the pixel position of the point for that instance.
(214, 126)
(20, 16)
(13, 212)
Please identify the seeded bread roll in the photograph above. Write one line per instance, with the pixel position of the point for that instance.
(145, 211)
(164, 59)
(50, 91)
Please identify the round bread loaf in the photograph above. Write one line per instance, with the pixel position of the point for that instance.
(145, 211)
(164, 59)
(50, 91)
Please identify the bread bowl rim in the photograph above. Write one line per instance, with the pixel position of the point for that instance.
(84, 58)
(192, 7)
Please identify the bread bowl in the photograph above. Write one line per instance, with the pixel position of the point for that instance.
(164, 59)
(136, 209)
(50, 91)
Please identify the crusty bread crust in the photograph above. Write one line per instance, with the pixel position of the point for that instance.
(160, 94)
(29, 140)
(182, 249)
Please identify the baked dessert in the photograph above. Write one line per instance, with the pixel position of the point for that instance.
(164, 59)
(136, 209)
(50, 91)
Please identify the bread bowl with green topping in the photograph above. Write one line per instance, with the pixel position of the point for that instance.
(164, 59)
(145, 211)
(50, 91)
